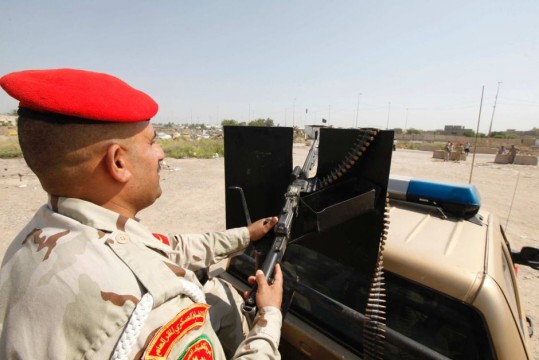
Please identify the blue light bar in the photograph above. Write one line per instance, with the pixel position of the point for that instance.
(460, 199)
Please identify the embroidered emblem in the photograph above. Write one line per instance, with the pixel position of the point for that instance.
(162, 238)
(200, 349)
(162, 343)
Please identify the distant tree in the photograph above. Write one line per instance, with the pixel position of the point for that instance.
(257, 122)
(469, 133)
(169, 125)
(503, 135)
(413, 131)
(229, 122)
(261, 122)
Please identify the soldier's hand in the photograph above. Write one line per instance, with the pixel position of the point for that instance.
(268, 294)
(261, 227)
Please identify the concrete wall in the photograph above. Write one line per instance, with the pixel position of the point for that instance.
(484, 145)
(455, 156)
(519, 159)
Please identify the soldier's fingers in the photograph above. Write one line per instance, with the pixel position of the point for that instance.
(270, 222)
(277, 276)
(261, 227)
(260, 278)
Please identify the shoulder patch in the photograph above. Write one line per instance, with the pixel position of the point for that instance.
(200, 349)
(162, 343)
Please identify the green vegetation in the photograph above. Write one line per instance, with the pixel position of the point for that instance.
(261, 122)
(229, 122)
(187, 148)
(414, 131)
(178, 148)
(257, 122)
(10, 148)
(471, 133)
(503, 135)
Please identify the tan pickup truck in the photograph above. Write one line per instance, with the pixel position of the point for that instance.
(450, 285)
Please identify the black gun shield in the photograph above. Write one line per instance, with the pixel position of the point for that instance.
(338, 226)
(258, 160)
(358, 198)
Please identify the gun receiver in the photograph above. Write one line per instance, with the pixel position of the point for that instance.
(300, 183)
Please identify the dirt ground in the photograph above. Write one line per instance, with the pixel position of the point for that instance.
(193, 200)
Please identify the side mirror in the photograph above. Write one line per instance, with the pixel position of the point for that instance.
(528, 256)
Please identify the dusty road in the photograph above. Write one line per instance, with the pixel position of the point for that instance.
(193, 200)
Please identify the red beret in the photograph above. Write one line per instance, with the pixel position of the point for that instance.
(79, 93)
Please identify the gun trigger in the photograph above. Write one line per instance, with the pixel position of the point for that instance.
(248, 310)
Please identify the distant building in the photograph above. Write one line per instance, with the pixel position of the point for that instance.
(312, 130)
(457, 130)
(10, 120)
(163, 136)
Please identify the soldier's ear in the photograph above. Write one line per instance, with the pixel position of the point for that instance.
(116, 163)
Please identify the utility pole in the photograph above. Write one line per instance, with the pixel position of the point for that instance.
(388, 110)
(476, 134)
(294, 114)
(357, 109)
(406, 121)
(329, 115)
(494, 108)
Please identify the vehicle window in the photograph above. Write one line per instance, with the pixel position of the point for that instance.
(444, 324)
(510, 285)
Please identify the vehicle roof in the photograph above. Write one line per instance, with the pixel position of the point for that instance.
(445, 254)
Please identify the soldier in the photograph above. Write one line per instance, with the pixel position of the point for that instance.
(84, 279)
(513, 151)
(467, 149)
(447, 151)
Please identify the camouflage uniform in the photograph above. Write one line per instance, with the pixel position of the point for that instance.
(72, 278)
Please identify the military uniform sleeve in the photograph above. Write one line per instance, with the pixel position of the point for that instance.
(196, 251)
(262, 342)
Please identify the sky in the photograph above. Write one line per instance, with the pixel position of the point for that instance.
(385, 64)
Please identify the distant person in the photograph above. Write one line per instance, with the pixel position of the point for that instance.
(85, 279)
(513, 151)
(501, 150)
(447, 151)
(467, 148)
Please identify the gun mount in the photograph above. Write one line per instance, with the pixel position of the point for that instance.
(341, 213)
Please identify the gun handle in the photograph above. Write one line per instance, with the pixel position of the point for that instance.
(249, 306)
(273, 258)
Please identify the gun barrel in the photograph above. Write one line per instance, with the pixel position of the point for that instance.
(310, 159)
